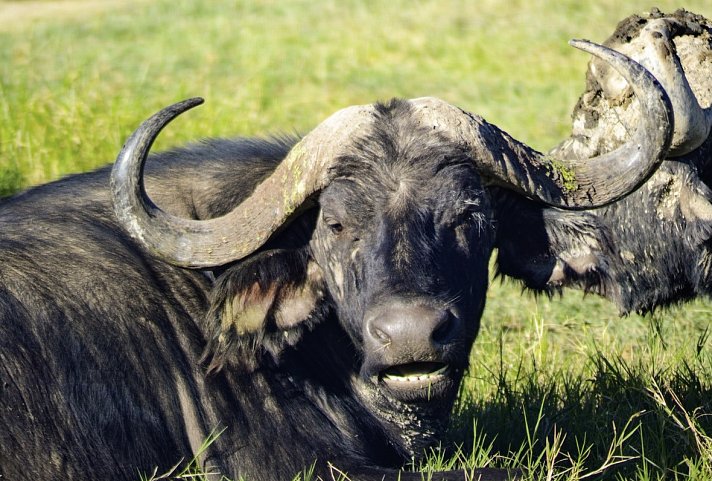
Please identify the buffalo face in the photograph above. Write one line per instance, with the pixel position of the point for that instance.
(403, 237)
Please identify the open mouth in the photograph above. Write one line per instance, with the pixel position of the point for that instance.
(414, 375)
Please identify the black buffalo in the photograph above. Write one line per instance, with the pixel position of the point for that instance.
(653, 248)
(314, 303)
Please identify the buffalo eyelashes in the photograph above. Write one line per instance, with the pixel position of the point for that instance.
(334, 226)
(337, 229)
(465, 216)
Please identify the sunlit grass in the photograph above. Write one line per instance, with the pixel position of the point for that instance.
(562, 388)
(582, 376)
(71, 90)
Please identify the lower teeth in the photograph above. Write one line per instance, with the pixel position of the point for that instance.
(416, 377)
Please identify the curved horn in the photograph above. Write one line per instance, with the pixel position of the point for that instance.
(207, 243)
(571, 184)
(659, 56)
(307, 169)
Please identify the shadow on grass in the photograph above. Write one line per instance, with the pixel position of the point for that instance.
(654, 421)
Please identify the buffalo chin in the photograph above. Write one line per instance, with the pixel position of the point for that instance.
(413, 412)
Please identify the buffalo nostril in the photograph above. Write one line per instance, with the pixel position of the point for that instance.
(446, 330)
(416, 327)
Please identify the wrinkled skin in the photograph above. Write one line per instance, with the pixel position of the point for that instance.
(651, 249)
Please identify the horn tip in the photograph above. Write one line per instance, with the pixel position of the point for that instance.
(581, 43)
(193, 102)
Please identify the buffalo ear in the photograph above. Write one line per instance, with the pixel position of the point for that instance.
(548, 248)
(262, 304)
(296, 303)
(282, 304)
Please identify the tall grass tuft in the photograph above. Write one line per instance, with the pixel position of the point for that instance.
(598, 414)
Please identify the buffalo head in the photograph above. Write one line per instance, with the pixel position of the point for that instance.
(652, 248)
(379, 221)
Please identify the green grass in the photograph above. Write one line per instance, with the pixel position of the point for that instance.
(583, 374)
(563, 389)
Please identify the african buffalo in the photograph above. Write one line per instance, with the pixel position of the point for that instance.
(314, 301)
(654, 247)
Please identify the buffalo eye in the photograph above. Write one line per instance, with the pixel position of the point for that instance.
(469, 213)
(334, 225)
(462, 218)
(336, 228)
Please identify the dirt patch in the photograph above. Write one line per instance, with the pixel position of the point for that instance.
(19, 14)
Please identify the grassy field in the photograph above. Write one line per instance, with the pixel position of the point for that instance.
(563, 388)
